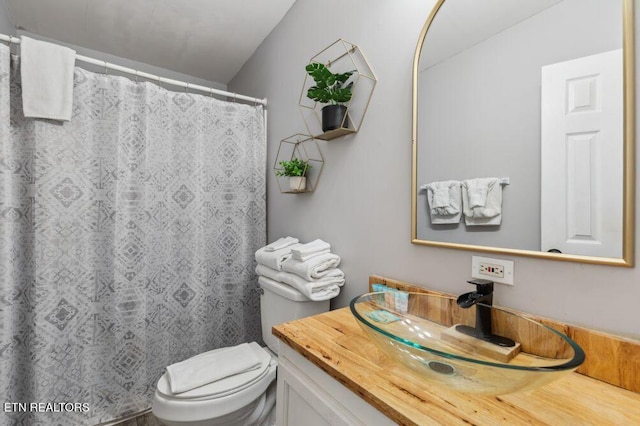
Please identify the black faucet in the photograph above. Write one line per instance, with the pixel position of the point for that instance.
(483, 296)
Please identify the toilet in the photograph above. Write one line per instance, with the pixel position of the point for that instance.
(248, 398)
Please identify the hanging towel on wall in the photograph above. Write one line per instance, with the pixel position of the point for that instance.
(46, 70)
(210, 367)
(443, 201)
(482, 201)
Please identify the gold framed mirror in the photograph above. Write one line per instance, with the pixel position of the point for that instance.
(523, 129)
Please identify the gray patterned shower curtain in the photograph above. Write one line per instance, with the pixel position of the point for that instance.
(126, 243)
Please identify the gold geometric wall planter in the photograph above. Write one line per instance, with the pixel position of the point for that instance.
(339, 57)
(305, 148)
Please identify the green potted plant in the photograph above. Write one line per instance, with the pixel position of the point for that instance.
(297, 170)
(333, 90)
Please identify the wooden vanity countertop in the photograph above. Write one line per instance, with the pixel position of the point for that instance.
(334, 342)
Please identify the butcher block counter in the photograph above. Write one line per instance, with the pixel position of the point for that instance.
(334, 343)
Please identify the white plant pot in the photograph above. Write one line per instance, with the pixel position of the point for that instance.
(297, 183)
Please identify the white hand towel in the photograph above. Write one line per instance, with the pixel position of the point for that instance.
(444, 201)
(210, 367)
(281, 243)
(480, 209)
(477, 196)
(47, 79)
(309, 250)
(317, 294)
(274, 259)
(441, 198)
(314, 268)
(314, 290)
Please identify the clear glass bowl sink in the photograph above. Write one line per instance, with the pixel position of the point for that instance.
(427, 340)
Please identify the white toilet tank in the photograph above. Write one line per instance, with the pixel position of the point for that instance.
(280, 303)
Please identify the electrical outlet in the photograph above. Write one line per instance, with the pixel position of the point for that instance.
(492, 269)
(497, 270)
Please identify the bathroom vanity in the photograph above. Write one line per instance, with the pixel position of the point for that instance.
(331, 373)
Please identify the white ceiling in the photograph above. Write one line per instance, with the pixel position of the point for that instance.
(210, 39)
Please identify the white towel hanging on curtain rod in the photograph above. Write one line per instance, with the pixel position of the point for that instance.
(162, 80)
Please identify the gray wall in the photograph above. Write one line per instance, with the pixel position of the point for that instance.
(362, 203)
(6, 21)
(499, 104)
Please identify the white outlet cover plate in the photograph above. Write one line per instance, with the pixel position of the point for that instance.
(506, 264)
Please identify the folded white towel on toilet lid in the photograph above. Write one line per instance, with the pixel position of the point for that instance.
(210, 367)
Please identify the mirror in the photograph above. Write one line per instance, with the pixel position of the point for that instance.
(523, 129)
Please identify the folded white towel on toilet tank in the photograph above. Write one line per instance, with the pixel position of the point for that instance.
(322, 289)
(274, 259)
(309, 250)
(281, 243)
(211, 366)
(315, 292)
(314, 268)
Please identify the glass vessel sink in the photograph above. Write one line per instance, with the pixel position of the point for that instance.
(424, 335)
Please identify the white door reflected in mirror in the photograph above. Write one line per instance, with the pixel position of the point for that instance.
(581, 176)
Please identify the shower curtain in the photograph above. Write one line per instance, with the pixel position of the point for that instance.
(126, 243)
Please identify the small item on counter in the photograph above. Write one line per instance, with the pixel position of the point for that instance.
(402, 301)
(379, 287)
(382, 316)
(391, 297)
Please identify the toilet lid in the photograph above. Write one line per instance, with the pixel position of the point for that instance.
(226, 386)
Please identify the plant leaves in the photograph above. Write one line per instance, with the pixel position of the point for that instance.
(328, 86)
(294, 167)
(321, 75)
(318, 94)
(344, 76)
(342, 94)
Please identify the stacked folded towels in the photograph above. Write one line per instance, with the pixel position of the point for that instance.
(309, 268)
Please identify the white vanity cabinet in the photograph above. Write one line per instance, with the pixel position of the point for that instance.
(308, 396)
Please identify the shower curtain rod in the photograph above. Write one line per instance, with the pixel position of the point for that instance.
(160, 80)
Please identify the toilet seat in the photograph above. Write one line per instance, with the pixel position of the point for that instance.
(218, 398)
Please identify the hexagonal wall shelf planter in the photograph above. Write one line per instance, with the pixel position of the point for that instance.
(339, 57)
(304, 148)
